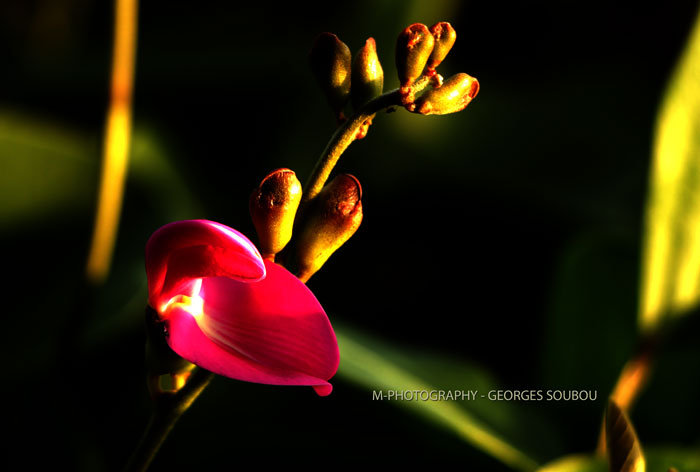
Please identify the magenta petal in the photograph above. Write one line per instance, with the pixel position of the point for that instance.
(184, 250)
(228, 311)
(273, 331)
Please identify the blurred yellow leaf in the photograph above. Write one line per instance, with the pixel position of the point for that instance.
(659, 459)
(576, 463)
(671, 252)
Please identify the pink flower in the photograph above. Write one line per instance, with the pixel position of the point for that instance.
(228, 311)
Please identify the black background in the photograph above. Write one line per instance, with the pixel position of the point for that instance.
(507, 235)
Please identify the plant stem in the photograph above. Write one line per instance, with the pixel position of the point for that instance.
(116, 142)
(168, 409)
(342, 138)
(346, 133)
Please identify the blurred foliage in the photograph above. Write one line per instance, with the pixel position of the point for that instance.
(671, 270)
(377, 366)
(661, 460)
(46, 169)
(500, 246)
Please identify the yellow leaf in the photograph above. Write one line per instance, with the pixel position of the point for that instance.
(671, 250)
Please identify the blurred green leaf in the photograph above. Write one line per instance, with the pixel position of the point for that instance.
(671, 253)
(658, 459)
(49, 168)
(480, 422)
(592, 304)
(154, 170)
(46, 168)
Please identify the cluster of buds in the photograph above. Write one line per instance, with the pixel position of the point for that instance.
(328, 221)
(343, 79)
(301, 232)
(419, 51)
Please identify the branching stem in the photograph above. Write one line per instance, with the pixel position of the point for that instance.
(347, 132)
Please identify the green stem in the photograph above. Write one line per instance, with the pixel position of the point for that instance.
(342, 138)
(168, 409)
(346, 133)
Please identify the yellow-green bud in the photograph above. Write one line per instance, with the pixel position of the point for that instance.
(333, 218)
(331, 62)
(453, 96)
(273, 206)
(367, 75)
(413, 48)
(445, 37)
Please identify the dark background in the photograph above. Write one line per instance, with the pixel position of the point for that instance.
(507, 235)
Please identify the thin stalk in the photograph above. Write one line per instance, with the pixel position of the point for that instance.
(346, 133)
(342, 138)
(116, 142)
(168, 409)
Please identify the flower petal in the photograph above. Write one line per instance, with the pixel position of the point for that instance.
(272, 332)
(184, 250)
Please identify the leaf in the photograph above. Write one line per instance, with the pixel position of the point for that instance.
(623, 448)
(576, 463)
(46, 168)
(152, 168)
(49, 168)
(671, 252)
(592, 304)
(658, 459)
(380, 368)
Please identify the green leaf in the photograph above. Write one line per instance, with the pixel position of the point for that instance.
(671, 253)
(153, 168)
(47, 168)
(592, 304)
(383, 369)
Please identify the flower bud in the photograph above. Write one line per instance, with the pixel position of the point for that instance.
(273, 206)
(335, 215)
(331, 60)
(367, 75)
(413, 48)
(453, 96)
(445, 37)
